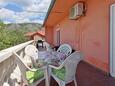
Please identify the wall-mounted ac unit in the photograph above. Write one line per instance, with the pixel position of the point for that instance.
(76, 11)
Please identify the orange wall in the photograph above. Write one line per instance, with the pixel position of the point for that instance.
(94, 34)
(90, 33)
(69, 33)
(49, 34)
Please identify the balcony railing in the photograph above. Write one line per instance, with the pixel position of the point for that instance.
(7, 62)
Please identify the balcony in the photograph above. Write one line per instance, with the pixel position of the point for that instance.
(9, 72)
(86, 74)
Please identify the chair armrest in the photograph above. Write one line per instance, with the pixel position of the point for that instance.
(26, 67)
(56, 67)
(33, 70)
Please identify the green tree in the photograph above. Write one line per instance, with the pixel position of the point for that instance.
(2, 25)
(10, 38)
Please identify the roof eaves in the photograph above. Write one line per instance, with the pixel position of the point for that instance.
(49, 10)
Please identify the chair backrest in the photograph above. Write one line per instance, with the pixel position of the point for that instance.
(70, 65)
(32, 52)
(22, 66)
(65, 48)
(48, 46)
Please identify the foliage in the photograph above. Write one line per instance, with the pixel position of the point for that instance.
(13, 34)
(10, 38)
(2, 25)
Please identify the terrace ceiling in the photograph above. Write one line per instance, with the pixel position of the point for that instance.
(59, 11)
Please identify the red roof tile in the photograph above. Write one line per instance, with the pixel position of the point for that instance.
(40, 33)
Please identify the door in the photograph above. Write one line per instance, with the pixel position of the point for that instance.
(112, 40)
(58, 37)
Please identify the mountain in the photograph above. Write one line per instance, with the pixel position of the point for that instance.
(26, 27)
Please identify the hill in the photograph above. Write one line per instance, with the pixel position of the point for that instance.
(13, 34)
(25, 27)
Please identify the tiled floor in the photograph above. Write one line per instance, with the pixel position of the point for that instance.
(88, 76)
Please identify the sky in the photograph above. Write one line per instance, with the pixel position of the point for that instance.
(23, 11)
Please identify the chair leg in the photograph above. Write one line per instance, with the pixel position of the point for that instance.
(75, 82)
(11, 82)
(61, 84)
(49, 74)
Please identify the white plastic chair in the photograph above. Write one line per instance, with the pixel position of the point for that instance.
(48, 46)
(24, 68)
(32, 52)
(65, 48)
(70, 65)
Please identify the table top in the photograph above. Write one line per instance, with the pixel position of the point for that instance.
(50, 58)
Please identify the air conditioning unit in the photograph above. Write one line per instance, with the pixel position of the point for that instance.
(77, 10)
